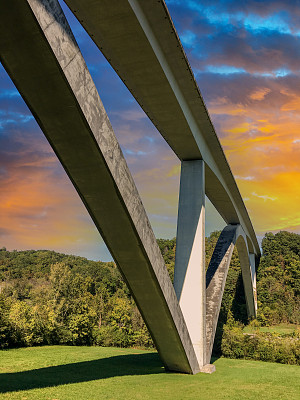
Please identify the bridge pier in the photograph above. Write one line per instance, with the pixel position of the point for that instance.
(189, 273)
(248, 274)
(252, 260)
(216, 278)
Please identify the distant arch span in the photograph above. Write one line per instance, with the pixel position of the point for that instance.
(232, 236)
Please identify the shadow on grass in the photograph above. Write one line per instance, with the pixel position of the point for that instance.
(214, 359)
(137, 364)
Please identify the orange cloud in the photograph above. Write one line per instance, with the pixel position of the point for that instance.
(274, 203)
(39, 209)
(263, 149)
(259, 94)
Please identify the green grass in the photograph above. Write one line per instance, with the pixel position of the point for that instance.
(68, 373)
(280, 329)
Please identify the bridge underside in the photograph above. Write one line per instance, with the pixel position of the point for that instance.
(39, 52)
(139, 40)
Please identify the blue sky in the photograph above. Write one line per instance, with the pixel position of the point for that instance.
(245, 56)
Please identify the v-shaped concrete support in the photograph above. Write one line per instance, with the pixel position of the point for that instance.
(40, 53)
(200, 302)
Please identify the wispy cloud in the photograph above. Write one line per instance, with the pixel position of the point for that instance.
(245, 178)
(264, 197)
(245, 56)
(259, 94)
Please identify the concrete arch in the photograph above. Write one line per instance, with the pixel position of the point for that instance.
(231, 236)
(250, 245)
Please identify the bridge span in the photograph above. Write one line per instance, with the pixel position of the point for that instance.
(138, 38)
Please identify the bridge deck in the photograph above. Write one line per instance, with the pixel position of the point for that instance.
(140, 42)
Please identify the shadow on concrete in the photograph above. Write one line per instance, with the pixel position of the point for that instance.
(239, 307)
(136, 364)
(239, 313)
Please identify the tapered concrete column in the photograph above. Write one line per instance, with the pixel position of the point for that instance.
(252, 260)
(245, 260)
(189, 276)
(215, 282)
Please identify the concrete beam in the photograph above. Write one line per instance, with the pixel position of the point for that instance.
(39, 52)
(189, 273)
(139, 40)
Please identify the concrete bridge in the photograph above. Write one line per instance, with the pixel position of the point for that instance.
(138, 38)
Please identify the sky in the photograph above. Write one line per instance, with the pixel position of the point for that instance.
(245, 56)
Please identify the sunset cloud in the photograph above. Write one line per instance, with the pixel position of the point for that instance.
(259, 94)
(245, 57)
(247, 65)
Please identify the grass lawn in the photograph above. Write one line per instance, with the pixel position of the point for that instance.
(281, 329)
(69, 373)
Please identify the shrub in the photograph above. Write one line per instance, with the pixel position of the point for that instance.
(260, 346)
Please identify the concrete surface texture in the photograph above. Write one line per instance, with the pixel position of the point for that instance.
(40, 53)
(189, 272)
(216, 278)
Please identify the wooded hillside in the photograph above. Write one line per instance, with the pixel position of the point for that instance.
(52, 298)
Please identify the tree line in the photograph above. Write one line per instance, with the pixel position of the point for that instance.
(53, 298)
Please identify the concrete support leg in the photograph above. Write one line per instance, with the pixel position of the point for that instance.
(252, 260)
(247, 276)
(189, 275)
(215, 282)
(216, 278)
